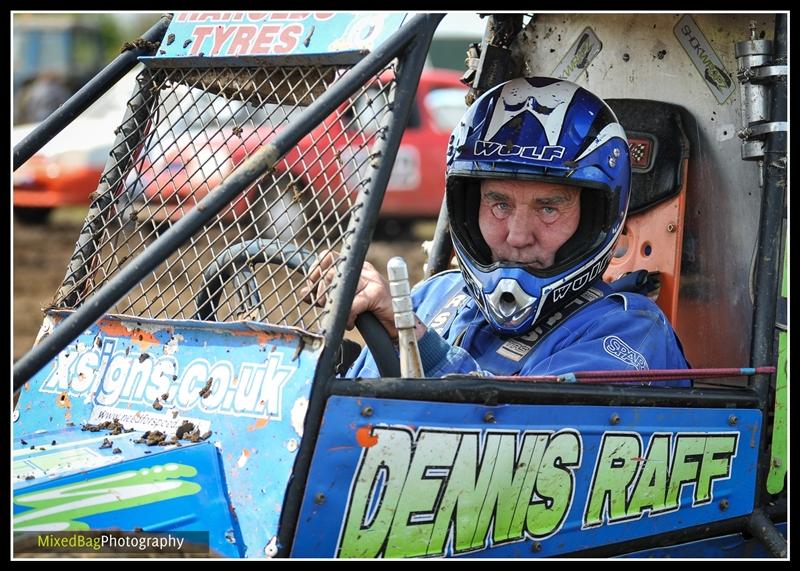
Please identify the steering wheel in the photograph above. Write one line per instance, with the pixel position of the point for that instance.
(274, 252)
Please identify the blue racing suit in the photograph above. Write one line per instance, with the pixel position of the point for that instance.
(614, 330)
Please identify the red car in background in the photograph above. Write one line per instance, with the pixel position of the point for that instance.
(194, 154)
(48, 181)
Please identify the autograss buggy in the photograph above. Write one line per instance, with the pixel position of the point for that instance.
(180, 384)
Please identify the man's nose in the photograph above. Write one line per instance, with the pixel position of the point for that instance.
(520, 229)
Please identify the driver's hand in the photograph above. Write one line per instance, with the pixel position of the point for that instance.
(372, 292)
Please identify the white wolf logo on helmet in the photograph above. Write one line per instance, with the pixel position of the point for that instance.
(549, 106)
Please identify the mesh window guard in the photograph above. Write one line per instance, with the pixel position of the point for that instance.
(248, 262)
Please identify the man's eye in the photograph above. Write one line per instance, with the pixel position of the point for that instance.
(548, 212)
(501, 209)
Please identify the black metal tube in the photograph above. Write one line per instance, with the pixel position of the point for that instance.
(416, 34)
(365, 216)
(763, 529)
(768, 258)
(242, 177)
(89, 93)
(489, 392)
(772, 204)
(442, 247)
(495, 65)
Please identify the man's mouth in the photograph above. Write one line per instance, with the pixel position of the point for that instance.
(533, 264)
(537, 265)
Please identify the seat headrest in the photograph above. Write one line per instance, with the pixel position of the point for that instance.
(658, 146)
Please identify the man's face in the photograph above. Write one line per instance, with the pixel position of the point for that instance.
(526, 221)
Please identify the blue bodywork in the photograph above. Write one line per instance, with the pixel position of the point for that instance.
(389, 478)
(186, 483)
(255, 382)
(440, 479)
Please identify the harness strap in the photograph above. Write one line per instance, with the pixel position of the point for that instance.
(520, 347)
(515, 350)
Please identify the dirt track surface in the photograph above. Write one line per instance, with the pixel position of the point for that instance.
(40, 256)
(39, 262)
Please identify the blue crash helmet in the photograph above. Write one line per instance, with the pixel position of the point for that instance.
(538, 129)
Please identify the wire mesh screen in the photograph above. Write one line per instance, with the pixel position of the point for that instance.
(189, 128)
